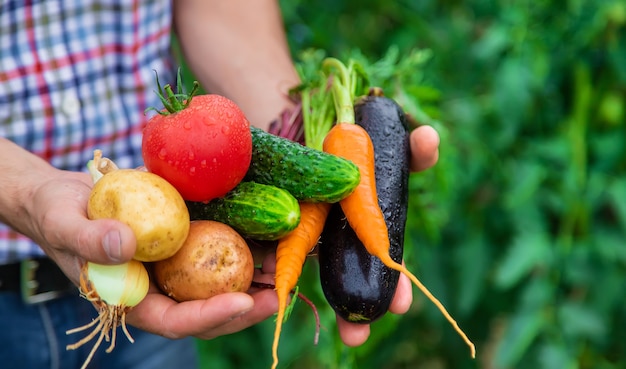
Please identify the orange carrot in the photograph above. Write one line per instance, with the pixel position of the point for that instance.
(318, 116)
(291, 253)
(361, 207)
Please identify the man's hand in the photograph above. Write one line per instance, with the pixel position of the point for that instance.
(57, 221)
(68, 237)
(220, 315)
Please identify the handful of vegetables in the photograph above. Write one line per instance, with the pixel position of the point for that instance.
(218, 182)
(359, 238)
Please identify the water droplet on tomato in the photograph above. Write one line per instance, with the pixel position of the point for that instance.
(162, 153)
(192, 171)
(203, 164)
(191, 155)
(225, 129)
(187, 125)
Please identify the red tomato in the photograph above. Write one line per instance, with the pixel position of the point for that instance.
(203, 150)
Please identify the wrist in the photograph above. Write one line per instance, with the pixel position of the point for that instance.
(22, 174)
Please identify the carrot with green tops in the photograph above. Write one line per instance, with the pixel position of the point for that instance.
(361, 207)
(293, 248)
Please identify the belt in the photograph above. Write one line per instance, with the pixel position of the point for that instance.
(38, 280)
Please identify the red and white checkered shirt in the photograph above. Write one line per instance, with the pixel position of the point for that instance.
(78, 75)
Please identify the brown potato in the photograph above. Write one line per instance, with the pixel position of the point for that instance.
(148, 204)
(214, 259)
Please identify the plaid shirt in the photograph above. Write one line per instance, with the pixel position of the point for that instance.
(75, 76)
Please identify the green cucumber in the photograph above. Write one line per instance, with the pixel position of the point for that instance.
(255, 210)
(308, 174)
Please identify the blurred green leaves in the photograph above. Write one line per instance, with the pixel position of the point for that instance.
(520, 228)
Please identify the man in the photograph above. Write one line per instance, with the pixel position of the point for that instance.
(75, 76)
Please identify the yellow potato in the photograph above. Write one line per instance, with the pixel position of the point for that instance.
(150, 205)
(214, 259)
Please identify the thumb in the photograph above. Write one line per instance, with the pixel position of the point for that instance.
(57, 220)
(105, 241)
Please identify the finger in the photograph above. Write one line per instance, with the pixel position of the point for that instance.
(265, 305)
(261, 281)
(104, 241)
(66, 228)
(424, 148)
(261, 249)
(403, 297)
(265, 274)
(352, 334)
(269, 263)
(161, 315)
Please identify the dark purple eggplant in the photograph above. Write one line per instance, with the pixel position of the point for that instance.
(358, 286)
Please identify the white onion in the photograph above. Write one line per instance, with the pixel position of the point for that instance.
(114, 290)
(122, 285)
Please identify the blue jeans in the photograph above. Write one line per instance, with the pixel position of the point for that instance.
(33, 337)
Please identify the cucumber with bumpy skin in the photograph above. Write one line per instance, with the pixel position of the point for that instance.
(255, 210)
(308, 174)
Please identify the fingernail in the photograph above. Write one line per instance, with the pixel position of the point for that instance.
(112, 243)
(237, 315)
(244, 310)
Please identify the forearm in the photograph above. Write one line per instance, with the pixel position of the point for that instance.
(238, 49)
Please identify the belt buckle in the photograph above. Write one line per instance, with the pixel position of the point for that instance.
(29, 285)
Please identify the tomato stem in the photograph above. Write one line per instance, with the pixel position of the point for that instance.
(173, 102)
(173, 105)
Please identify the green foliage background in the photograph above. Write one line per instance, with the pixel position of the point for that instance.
(520, 229)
